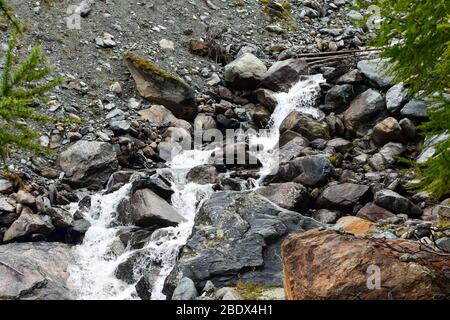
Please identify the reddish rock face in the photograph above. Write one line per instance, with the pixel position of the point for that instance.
(328, 265)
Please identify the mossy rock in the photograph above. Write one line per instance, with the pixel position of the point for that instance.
(159, 86)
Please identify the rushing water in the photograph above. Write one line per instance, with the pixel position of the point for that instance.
(93, 275)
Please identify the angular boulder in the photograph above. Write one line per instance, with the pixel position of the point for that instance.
(306, 126)
(35, 271)
(310, 171)
(290, 195)
(326, 265)
(366, 110)
(374, 213)
(396, 97)
(204, 174)
(245, 72)
(236, 238)
(282, 75)
(375, 71)
(342, 196)
(388, 130)
(28, 224)
(159, 86)
(146, 209)
(88, 164)
(392, 201)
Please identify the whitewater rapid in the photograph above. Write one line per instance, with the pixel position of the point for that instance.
(93, 275)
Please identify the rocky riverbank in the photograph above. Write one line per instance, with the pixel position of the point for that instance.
(142, 78)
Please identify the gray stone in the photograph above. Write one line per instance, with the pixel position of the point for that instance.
(35, 271)
(339, 97)
(340, 145)
(415, 109)
(375, 71)
(204, 174)
(388, 130)
(342, 196)
(282, 75)
(366, 110)
(408, 128)
(236, 237)
(28, 224)
(310, 171)
(6, 186)
(245, 72)
(444, 244)
(396, 203)
(185, 290)
(88, 164)
(290, 195)
(306, 126)
(326, 216)
(350, 77)
(145, 209)
(160, 87)
(396, 97)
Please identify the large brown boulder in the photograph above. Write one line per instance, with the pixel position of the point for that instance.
(159, 86)
(329, 265)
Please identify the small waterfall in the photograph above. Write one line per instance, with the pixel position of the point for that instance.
(302, 98)
(93, 276)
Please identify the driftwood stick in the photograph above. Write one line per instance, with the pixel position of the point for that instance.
(13, 269)
(309, 60)
(328, 60)
(323, 54)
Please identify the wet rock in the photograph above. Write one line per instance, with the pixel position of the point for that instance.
(282, 75)
(236, 237)
(355, 225)
(396, 97)
(342, 196)
(204, 174)
(374, 213)
(28, 224)
(158, 86)
(290, 195)
(155, 182)
(396, 203)
(293, 148)
(145, 209)
(88, 164)
(35, 271)
(388, 130)
(316, 266)
(306, 126)
(185, 290)
(245, 72)
(266, 98)
(375, 71)
(415, 109)
(310, 171)
(365, 111)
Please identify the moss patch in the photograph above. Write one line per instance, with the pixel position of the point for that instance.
(149, 67)
(250, 291)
